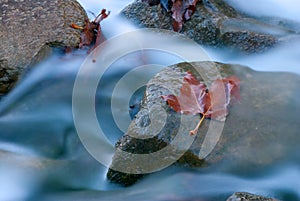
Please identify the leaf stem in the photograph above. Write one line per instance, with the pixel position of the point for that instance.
(74, 26)
(195, 131)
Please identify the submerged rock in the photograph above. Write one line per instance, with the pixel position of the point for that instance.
(214, 23)
(260, 130)
(241, 196)
(29, 28)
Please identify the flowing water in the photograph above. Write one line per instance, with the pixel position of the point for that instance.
(41, 157)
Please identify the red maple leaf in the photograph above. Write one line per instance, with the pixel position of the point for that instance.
(195, 98)
(91, 32)
(182, 10)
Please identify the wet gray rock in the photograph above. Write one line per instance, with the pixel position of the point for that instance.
(216, 24)
(29, 28)
(242, 196)
(260, 130)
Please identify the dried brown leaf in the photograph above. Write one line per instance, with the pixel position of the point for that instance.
(195, 98)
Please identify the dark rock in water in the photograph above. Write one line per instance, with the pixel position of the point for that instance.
(242, 196)
(260, 130)
(123, 178)
(214, 23)
(29, 28)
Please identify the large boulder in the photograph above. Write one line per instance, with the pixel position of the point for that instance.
(260, 130)
(215, 23)
(29, 28)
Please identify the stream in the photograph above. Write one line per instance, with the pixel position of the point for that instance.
(42, 158)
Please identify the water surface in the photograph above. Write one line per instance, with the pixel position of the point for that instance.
(41, 157)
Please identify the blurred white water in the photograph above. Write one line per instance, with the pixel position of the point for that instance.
(113, 25)
(289, 9)
(15, 185)
(96, 5)
(282, 58)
